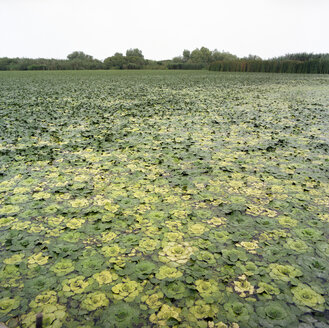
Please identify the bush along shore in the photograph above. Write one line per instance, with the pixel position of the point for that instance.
(198, 59)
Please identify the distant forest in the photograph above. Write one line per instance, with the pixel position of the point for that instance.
(202, 58)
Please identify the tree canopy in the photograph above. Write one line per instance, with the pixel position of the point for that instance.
(199, 58)
(80, 55)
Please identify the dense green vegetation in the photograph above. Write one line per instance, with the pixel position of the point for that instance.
(75, 61)
(313, 66)
(164, 199)
(198, 59)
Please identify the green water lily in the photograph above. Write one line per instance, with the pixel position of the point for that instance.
(248, 268)
(8, 304)
(9, 209)
(243, 287)
(51, 209)
(108, 236)
(166, 312)
(9, 276)
(233, 255)
(111, 251)
(166, 272)
(237, 311)
(105, 277)
(203, 244)
(156, 216)
(63, 267)
(7, 185)
(37, 259)
(53, 316)
(314, 266)
(284, 272)
(197, 229)
(39, 284)
(64, 249)
(75, 223)
(273, 235)
(153, 301)
(175, 289)
(217, 221)
(276, 314)
(120, 315)
(7, 221)
(111, 207)
(203, 214)
(21, 225)
(128, 290)
(174, 236)
(287, 221)
(297, 245)
(305, 296)
(79, 202)
(322, 249)
(267, 290)
(15, 259)
(55, 221)
(227, 272)
(71, 236)
(89, 265)
(18, 199)
(224, 325)
(76, 285)
(94, 301)
(209, 290)
(44, 299)
(202, 310)
(219, 236)
(175, 254)
(309, 234)
(41, 195)
(147, 246)
(144, 269)
(206, 257)
(250, 246)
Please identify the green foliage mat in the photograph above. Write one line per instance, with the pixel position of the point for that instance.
(165, 199)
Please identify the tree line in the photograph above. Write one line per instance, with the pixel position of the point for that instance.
(78, 60)
(292, 63)
(202, 58)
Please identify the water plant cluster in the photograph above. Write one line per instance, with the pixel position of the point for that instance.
(164, 199)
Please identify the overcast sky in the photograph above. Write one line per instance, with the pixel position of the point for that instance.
(162, 29)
